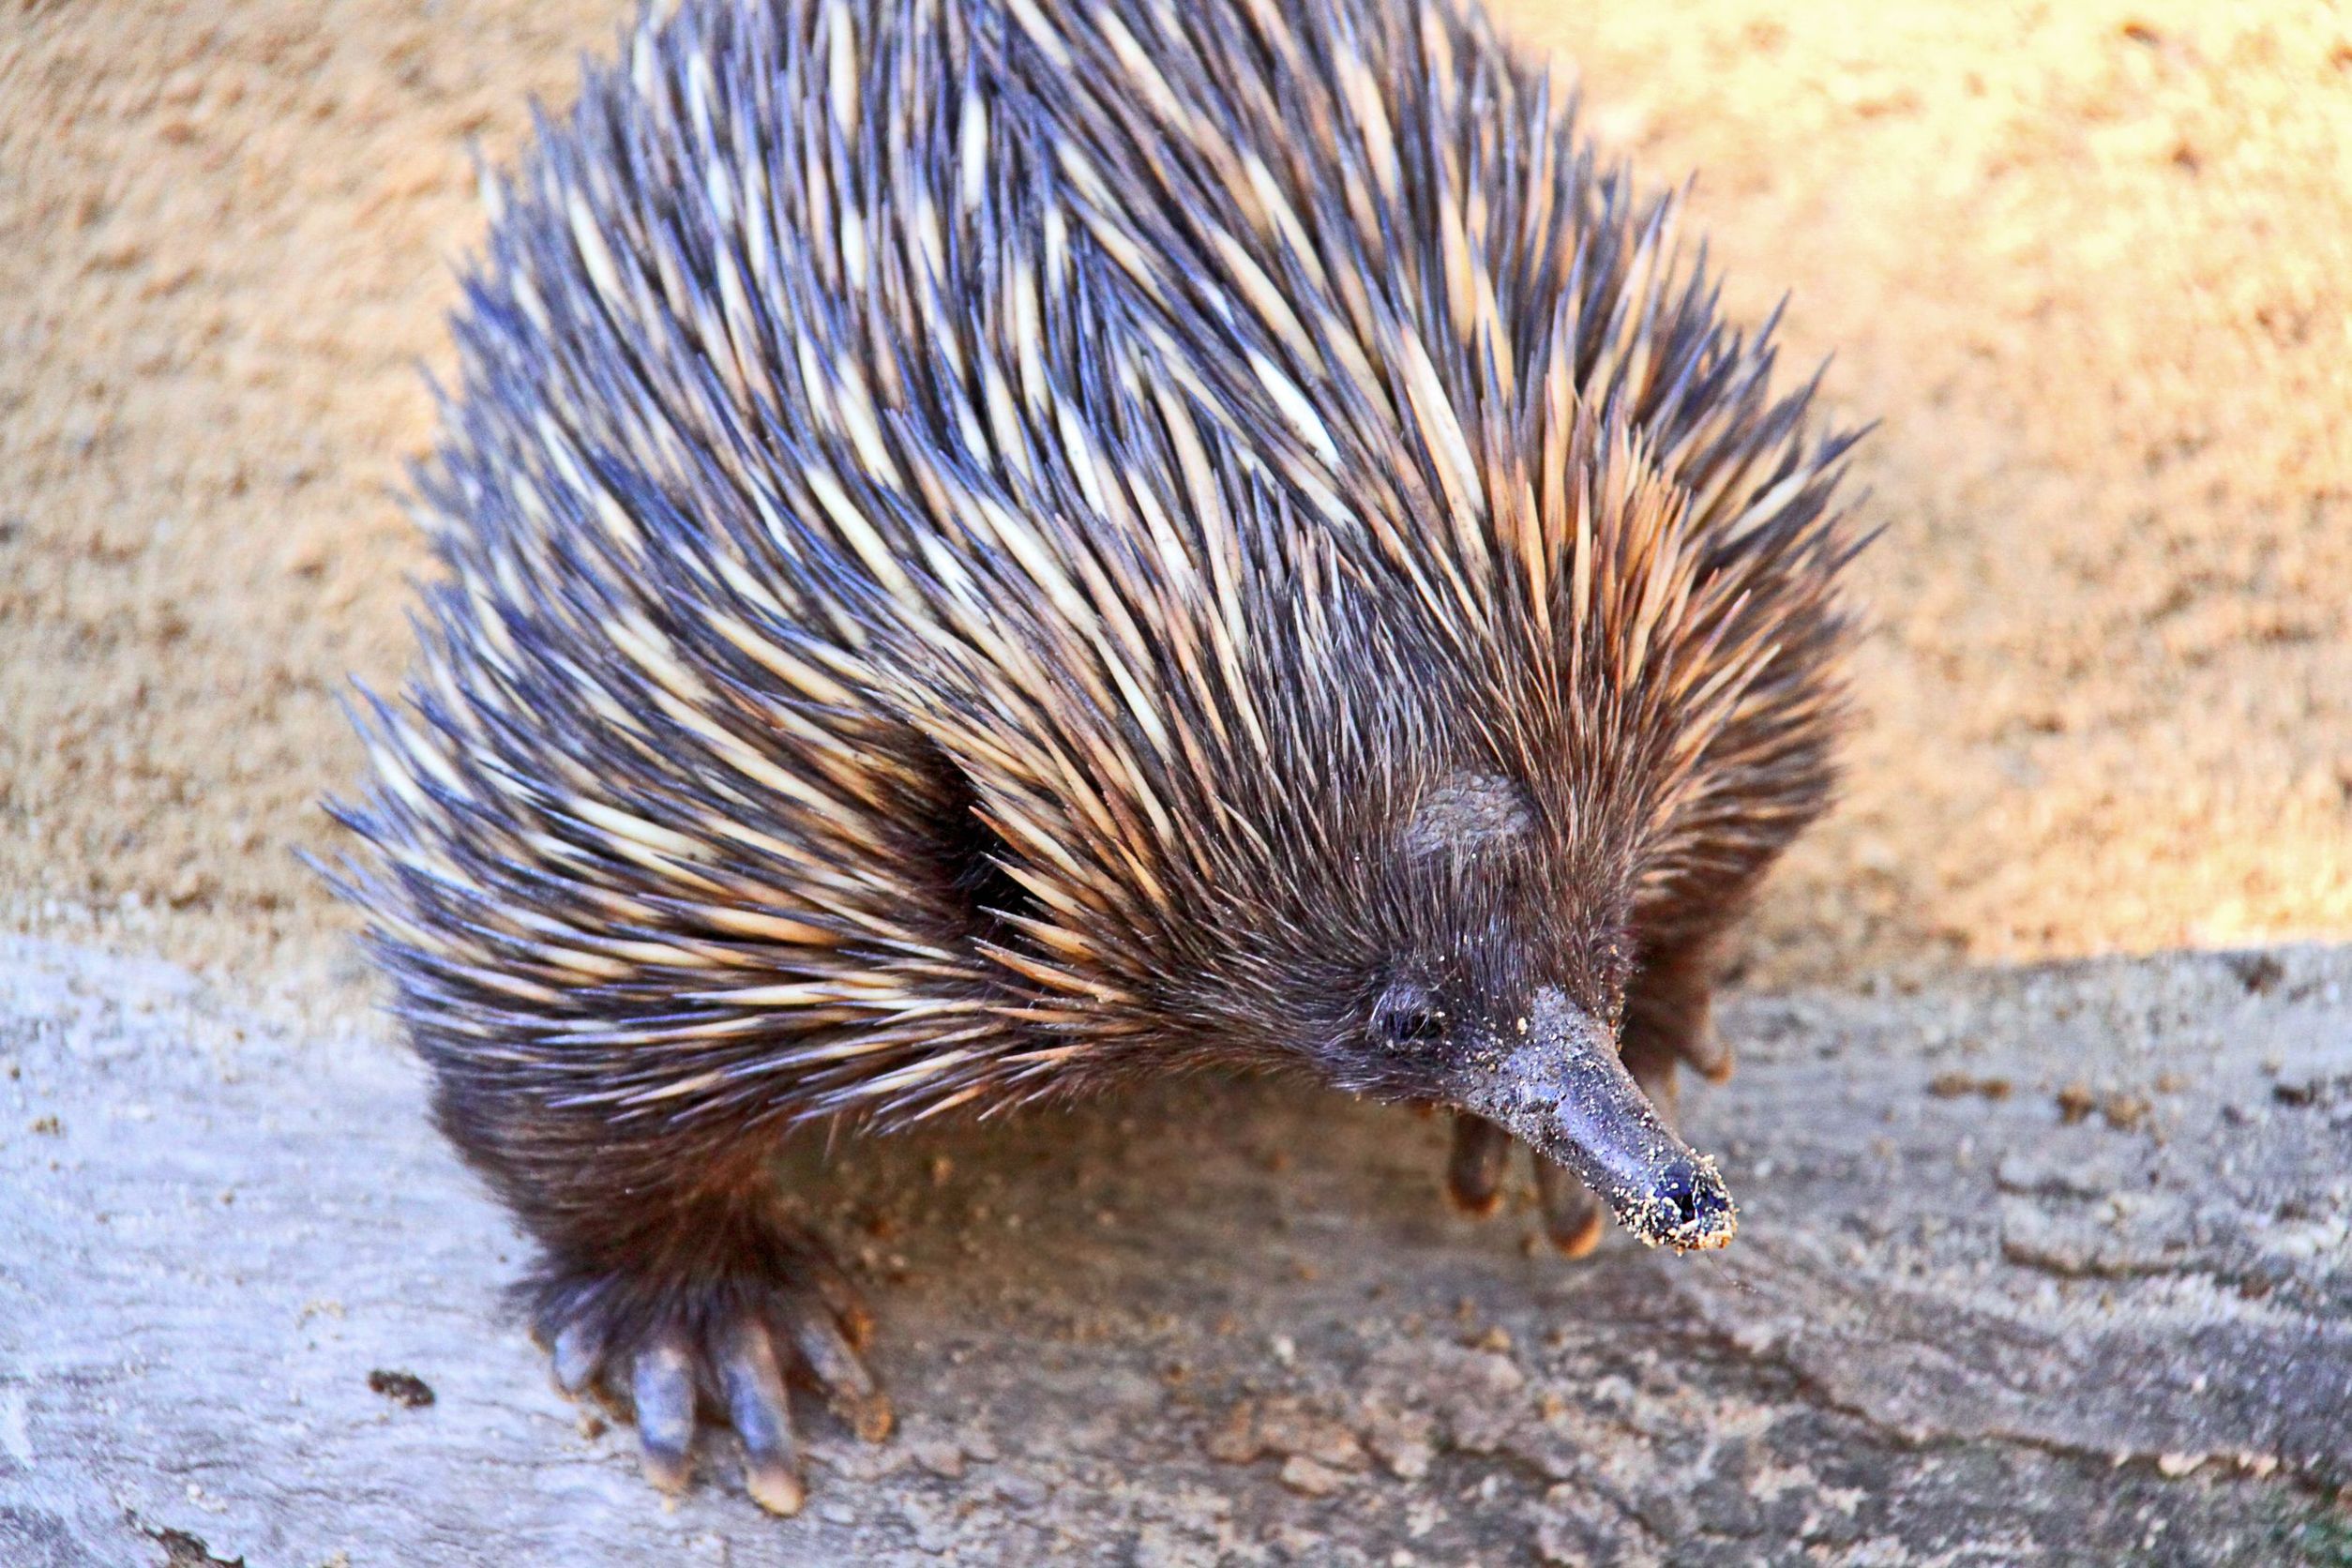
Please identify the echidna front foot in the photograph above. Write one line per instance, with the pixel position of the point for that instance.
(725, 1341)
(1474, 1172)
(1572, 1211)
(1474, 1176)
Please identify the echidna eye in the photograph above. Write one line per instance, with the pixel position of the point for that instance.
(1408, 1015)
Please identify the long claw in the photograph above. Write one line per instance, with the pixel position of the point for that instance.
(1473, 1177)
(1707, 1052)
(578, 1352)
(841, 1297)
(1572, 1213)
(752, 1382)
(831, 1360)
(663, 1388)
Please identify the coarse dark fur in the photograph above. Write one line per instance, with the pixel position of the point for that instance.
(996, 546)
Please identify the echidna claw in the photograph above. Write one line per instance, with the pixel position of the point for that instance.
(579, 1356)
(733, 1356)
(834, 1366)
(1706, 1051)
(1473, 1176)
(1572, 1211)
(662, 1387)
(751, 1378)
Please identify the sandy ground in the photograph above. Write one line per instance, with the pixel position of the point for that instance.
(2088, 262)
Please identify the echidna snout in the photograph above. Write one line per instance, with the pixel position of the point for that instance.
(1563, 1090)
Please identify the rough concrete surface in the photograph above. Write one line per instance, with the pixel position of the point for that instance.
(2037, 1266)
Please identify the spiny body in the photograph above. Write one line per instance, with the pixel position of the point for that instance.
(992, 548)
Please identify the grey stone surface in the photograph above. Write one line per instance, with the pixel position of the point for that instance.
(2045, 1266)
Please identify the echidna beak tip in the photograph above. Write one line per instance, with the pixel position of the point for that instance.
(1688, 1207)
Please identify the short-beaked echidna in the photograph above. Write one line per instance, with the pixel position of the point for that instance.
(994, 547)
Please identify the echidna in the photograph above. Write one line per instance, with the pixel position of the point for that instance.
(994, 547)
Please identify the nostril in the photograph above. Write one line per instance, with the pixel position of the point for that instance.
(1677, 1184)
(1696, 1200)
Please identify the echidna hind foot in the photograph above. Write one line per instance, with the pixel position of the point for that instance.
(723, 1339)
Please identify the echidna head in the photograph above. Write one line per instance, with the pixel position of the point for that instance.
(1474, 954)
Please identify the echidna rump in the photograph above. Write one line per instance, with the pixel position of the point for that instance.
(993, 547)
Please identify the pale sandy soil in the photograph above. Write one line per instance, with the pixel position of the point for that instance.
(2091, 264)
